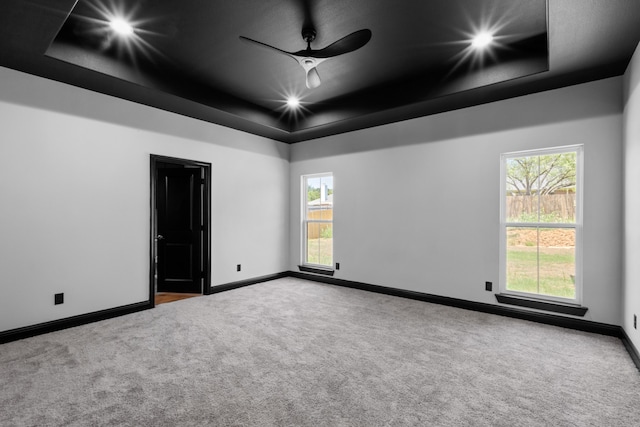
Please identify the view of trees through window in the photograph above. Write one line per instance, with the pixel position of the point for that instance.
(540, 220)
(319, 219)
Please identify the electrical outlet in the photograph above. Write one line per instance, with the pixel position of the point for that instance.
(488, 286)
(58, 299)
(238, 267)
(635, 322)
(337, 266)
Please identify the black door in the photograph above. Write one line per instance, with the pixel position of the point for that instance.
(179, 228)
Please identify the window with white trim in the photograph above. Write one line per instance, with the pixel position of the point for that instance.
(541, 224)
(317, 223)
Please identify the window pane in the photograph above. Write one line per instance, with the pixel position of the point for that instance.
(313, 190)
(522, 189)
(326, 212)
(558, 187)
(541, 188)
(557, 265)
(521, 207)
(320, 243)
(522, 259)
(326, 198)
(320, 198)
(541, 261)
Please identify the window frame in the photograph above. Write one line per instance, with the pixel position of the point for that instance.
(305, 221)
(578, 225)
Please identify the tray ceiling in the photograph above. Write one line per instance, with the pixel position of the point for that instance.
(187, 56)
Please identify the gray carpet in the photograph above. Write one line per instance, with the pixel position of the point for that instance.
(296, 353)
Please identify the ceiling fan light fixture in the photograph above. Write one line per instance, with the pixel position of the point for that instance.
(313, 78)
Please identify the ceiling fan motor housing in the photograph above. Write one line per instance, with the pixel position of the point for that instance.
(308, 34)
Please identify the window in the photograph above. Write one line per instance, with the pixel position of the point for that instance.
(541, 224)
(318, 220)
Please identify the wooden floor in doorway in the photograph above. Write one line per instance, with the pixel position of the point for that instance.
(164, 297)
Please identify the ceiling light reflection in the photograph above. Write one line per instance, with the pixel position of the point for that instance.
(482, 40)
(293, 102)
(488, 30)
(121, 27)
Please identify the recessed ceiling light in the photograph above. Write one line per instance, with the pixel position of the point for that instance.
(482, 40)
(121, 27)
(293, 102)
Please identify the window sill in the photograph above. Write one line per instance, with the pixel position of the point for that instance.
(556, 307)
(307, 269)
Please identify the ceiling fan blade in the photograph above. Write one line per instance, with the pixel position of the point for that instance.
(313, 78)
(346, 44)
(264, 45)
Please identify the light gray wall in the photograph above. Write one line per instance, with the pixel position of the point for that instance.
(417, 202)
(631, 283)
(74, 198)
(74, 183)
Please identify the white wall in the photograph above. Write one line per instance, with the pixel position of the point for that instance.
(417, 202)
(631, 283)
(74, 198)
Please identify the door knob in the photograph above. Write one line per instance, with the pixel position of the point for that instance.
(160, 237)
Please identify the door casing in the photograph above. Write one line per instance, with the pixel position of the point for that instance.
(206, 208)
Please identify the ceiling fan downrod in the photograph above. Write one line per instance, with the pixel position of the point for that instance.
(308, 35)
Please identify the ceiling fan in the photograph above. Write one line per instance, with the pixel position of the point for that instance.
(309, 58)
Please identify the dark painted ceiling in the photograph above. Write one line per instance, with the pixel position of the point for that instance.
(187, 57)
